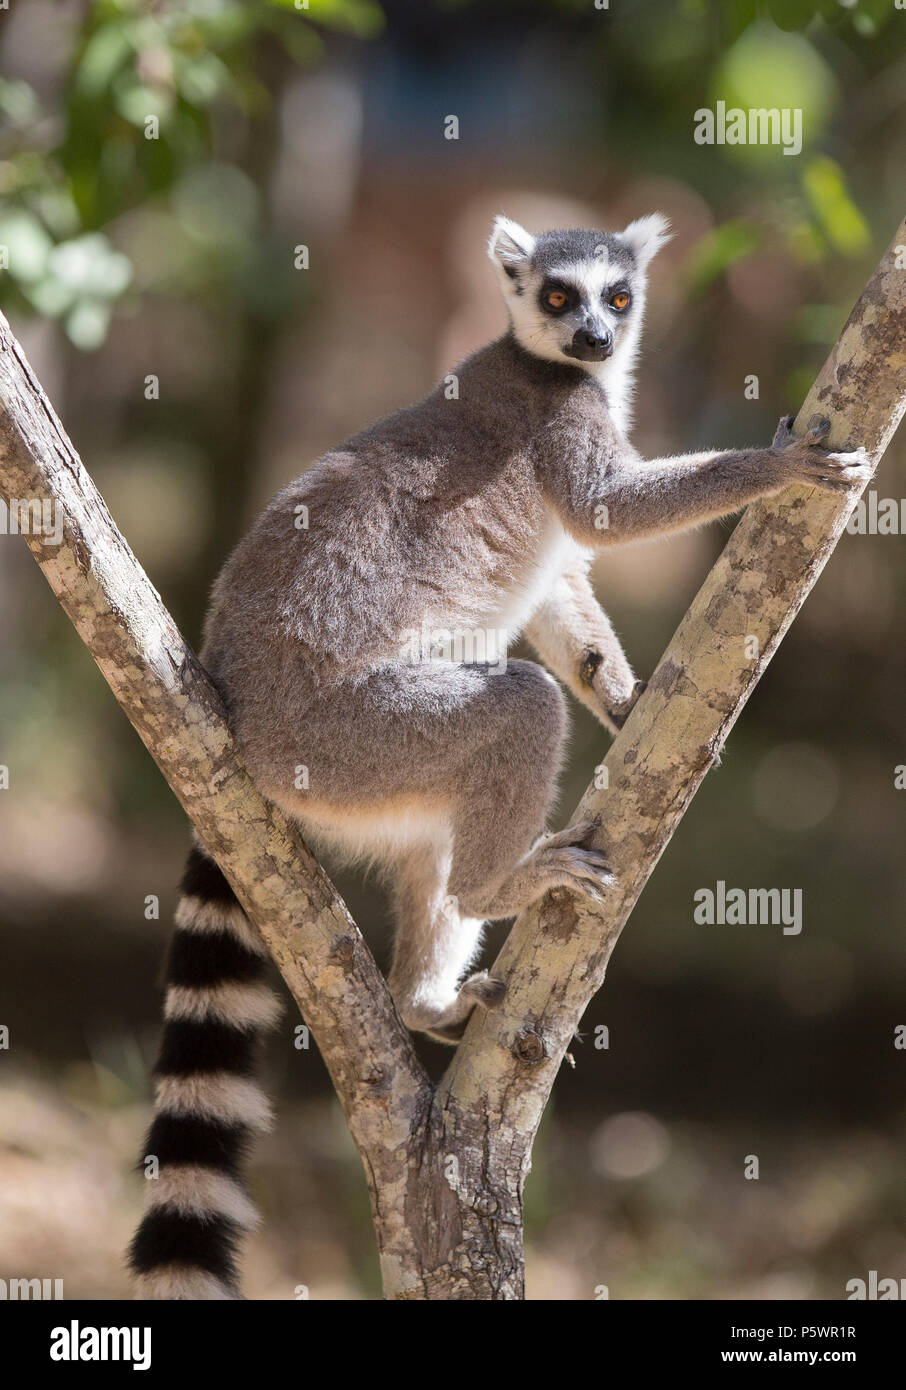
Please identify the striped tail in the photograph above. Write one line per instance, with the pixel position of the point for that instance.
(207, 1107)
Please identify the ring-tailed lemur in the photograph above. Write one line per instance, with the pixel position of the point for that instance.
(475, 511)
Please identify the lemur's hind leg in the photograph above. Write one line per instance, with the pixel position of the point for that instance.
(575, 638)
(434, 945)
(503, 772)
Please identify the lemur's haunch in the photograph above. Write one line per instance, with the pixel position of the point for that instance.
(473, 512)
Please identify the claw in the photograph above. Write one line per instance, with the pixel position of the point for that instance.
(589, 863)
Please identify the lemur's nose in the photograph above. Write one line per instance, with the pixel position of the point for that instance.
(601, 341)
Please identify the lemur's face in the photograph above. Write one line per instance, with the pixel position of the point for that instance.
(576, 296)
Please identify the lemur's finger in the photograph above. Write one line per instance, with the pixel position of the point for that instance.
(590, 853)
(784, 432)
(588, 865)
(831, 482)
(854, 466)
(818, 430)
(856, 461)
(594, 858)
(854, 474)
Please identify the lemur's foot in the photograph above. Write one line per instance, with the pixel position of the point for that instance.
(620, 713)
(809, 462)
(447, 1024)
(564, 860)
(485, 990)
(479, 989)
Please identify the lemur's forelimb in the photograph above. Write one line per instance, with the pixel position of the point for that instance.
(575, 639)
(606, 494)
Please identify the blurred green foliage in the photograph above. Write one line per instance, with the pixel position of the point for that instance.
(149, 86)
(146, 89)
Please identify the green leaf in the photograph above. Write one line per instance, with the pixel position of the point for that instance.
(18, 103)
(203, 78)
(88, 265)
(49, 297)
(136, 102)
(767, 69)
(840, 219)
(718, 250)
(28, 243)
(102, 57)
(57, 211)
(87, 324)
(865, 25)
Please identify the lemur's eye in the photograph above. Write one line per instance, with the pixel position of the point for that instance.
(555, 299)
(620, 300)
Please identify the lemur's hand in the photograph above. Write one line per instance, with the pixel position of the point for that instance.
(803, 460)
(612, 689)
(621, 712)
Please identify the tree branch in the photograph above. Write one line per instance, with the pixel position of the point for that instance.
(179, 715)
(556, 955)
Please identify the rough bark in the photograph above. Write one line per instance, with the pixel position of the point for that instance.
(446, 1165)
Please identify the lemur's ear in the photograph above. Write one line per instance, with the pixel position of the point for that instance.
(646, 236)
(510, 245)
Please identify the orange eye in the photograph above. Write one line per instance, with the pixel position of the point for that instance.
(555, 299)
(620, 300)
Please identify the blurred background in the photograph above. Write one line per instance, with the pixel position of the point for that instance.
(152, 277)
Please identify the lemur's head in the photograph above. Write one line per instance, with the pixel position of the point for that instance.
(576, 295)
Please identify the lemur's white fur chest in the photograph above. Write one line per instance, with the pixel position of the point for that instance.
(533, 583)
(557, 551)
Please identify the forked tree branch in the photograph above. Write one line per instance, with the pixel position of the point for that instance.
(445, 1166)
